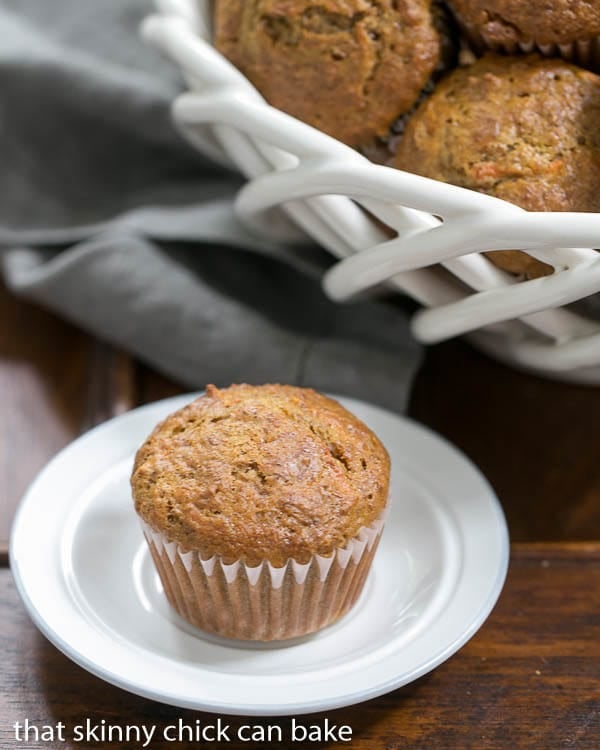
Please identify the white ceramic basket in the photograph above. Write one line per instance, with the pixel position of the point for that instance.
(303, 181)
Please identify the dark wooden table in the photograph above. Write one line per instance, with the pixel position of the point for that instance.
(530, 678)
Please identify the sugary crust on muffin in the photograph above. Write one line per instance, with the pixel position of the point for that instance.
(347, 67)
(261, 472)
(506, 22)
(524, 129)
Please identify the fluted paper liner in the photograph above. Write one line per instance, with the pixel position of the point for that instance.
(263, 603)
(584, 52)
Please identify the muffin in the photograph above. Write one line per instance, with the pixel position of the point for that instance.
(348, 67)
(523, 129)
(262, 507)
(568, 28)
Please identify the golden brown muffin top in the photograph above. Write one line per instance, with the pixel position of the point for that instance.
(347, 67)
(524, 129)
(506, 22)
(261, 472)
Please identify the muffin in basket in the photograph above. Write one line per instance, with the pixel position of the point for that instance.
(262, 507)
(567, 28)
(350, 68)
(524, 129)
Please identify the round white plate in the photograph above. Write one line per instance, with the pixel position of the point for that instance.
(83, 572)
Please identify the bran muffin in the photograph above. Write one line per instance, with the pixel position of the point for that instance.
(568, 28)
(350, 68)
(523, 129)
(262, 506)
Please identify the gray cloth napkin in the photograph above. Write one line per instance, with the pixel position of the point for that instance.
(108, 218)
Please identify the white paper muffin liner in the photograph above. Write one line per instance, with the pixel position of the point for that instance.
(263, 603)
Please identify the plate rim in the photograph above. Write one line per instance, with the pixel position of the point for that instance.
(475, 621)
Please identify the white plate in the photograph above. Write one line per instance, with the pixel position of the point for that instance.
(83, 571)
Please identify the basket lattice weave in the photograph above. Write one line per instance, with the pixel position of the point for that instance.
(301, 181)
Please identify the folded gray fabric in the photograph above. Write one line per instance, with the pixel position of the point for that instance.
(110, 219)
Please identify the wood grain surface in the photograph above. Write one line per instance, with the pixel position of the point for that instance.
(536, 440)
(528, 679)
